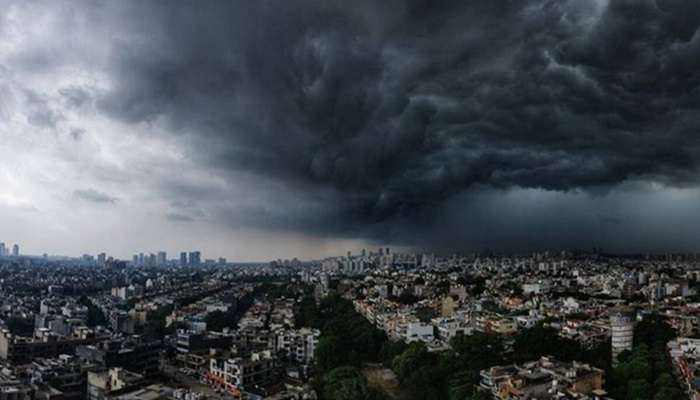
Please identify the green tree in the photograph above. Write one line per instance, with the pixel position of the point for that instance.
(345, 383)
(480, 395)
(669, 393)
(20, 326)
(533, 343)
(391, 349)
(95, 316)
(638, 389)
(415, 356)
(328, 353)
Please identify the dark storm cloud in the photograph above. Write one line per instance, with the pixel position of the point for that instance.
(609, 219)
(396, 106)
(94, 196)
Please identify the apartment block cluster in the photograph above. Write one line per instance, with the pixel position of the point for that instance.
(71, 331)
(587, 297)
(216, 330)
(546, 378)
(266, 355)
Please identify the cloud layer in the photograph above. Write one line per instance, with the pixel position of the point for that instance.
(365, 120)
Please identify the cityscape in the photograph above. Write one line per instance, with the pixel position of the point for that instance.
(377, 324)
(350, 200)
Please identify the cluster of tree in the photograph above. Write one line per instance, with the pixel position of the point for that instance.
(348, 341)
(475, 284)
(348, 383)
(452, 374)
(184, 301)
(645, 373)
(277, 290)
(306, 313)
(540, 340)
(95, 316)
(347, 337)
(20, 326)
(405, 297)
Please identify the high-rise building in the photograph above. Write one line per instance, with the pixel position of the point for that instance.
(135, 260)
(195, 257)
(152, 260)
(2, 249)
(15, 250)
(162, 258)
(101, 259)
(183, 259)
(142, 261)
(622, 328)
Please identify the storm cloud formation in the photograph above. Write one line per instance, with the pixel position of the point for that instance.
(403, 104)
(377, 119)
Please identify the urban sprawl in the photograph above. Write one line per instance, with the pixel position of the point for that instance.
(369, 325)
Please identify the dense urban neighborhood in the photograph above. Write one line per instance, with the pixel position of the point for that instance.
(372, 325)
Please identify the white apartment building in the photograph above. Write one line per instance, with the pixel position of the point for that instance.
(298, 343)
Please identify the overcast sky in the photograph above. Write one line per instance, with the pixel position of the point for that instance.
(264, 129)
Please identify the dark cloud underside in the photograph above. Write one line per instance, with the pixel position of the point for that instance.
(382, 111)
(398, 105)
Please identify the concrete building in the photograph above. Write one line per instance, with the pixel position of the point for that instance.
(622, 331)
(134, 354)
(183, 259)
(546, 378)
(195, 258)
(106, 384)
(238, 375)
(299, 344)
(12, 388)
(20, 350)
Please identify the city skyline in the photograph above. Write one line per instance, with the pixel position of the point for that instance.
(263, 131)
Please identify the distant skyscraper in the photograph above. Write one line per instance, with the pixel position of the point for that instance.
(142, 262)
(183, 259)
(15, 251)
(135, 260)
(162, 258)
(152, 260)
(101, 259)
(195, 257)
(3, 250)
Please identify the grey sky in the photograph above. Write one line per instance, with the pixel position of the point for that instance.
(266, 129)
